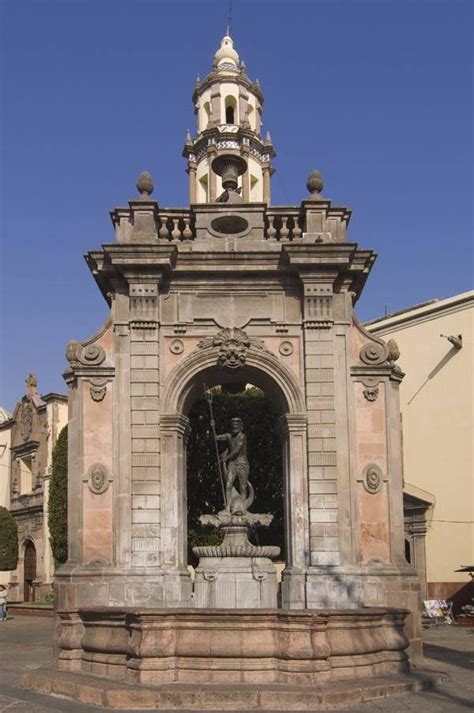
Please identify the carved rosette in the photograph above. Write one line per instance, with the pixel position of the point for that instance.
(233, 344)
(98, 480)
(372, 479)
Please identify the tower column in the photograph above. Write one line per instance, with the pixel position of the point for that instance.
(266, 184)
(216, 105)
(191, 171)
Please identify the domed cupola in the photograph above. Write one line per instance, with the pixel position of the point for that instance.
(226, 58)
(228, 108)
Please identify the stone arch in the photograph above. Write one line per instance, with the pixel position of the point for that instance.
(29, 567)
(187, 376)
(183, 385)
(230, 109)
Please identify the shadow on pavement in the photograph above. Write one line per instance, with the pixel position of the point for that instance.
(463, 659)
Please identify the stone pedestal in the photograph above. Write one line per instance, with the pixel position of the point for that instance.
(235, 583)
(236, 574)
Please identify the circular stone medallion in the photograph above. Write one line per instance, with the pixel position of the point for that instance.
(177, 346)
(286, 348)
(372, 478)
(98, 481)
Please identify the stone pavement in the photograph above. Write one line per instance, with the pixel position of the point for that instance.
(25, 642)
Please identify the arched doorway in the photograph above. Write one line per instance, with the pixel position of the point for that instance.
(184, 386)
(260, 419)
(29, 572)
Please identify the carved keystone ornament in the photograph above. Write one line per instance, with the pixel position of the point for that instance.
(233, 344)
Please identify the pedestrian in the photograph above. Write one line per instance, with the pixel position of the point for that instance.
(3, 603)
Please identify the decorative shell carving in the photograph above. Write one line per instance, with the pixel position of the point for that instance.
(372, 479)
(233, 344)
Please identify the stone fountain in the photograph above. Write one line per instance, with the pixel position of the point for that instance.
(236, 573)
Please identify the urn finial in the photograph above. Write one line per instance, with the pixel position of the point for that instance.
(315, 184)
(145, 184)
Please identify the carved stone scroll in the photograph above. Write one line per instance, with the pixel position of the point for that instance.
(79, 355)
(374, 353)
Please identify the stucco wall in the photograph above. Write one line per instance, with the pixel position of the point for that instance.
(437, 410)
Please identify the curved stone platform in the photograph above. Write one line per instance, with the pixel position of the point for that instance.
(204, 697)
(233, 646)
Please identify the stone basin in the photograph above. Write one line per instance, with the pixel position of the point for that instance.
(228, 646)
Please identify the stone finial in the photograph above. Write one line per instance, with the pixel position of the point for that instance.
(189, 138)
(226, 54)
(145, 184)
(198, 81)
(268, 139)
(31, 384)
(315, 184)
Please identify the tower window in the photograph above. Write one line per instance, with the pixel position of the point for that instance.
(207, 109)
(230, 110)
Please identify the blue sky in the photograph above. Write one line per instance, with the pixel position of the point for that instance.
(377, 94)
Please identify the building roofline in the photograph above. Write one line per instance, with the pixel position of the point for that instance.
(421, 311)
(54, 396)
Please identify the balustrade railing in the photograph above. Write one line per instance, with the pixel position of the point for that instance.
(283, 224)
(176, 225)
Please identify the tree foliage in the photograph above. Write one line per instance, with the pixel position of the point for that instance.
(57, 507)
(204, 489)
(8, 541)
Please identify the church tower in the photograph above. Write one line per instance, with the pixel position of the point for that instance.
(228, 108)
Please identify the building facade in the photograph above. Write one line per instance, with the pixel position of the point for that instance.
(27, 439)
(436, 346)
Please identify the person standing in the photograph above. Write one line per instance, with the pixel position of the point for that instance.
(3, 603)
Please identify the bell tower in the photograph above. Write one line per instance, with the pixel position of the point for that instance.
(228, 108)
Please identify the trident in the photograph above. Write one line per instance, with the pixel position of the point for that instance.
(208, 397)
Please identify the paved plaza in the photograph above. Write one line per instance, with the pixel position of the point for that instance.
(25, 642)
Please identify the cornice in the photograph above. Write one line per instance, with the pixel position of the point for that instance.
(412, 317)
(216, 77)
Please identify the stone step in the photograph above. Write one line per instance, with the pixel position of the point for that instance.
(268, 697)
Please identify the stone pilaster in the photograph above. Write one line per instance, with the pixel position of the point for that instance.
(145, 436)
(319, 336)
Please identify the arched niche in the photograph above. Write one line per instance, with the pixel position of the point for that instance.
(184, 385)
